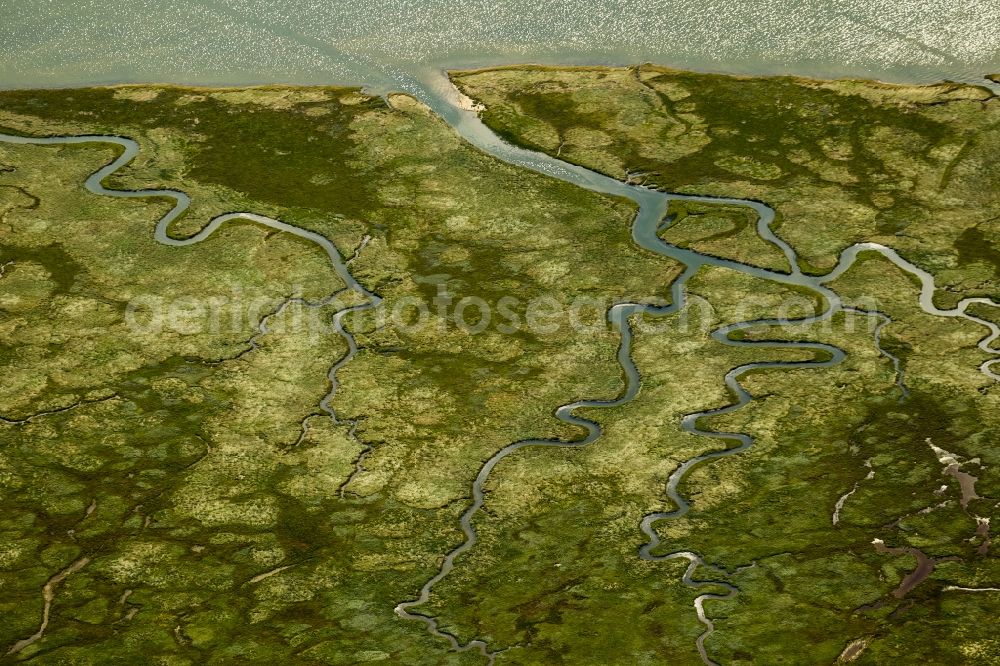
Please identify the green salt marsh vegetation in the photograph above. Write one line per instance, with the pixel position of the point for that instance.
(841, 162)
(230, 519)
(181, 493)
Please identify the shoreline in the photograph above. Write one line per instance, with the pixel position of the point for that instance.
(947, 85)
(454, 72)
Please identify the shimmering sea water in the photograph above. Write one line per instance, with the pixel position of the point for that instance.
(74, 42)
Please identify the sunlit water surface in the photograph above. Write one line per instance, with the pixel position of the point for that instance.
(59, 43)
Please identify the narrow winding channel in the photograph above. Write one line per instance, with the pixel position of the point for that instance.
(437, 91)
(182, 201)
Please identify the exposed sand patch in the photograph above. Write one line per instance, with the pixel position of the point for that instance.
(137, 93)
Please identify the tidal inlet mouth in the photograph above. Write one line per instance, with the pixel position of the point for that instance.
(349, 345)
